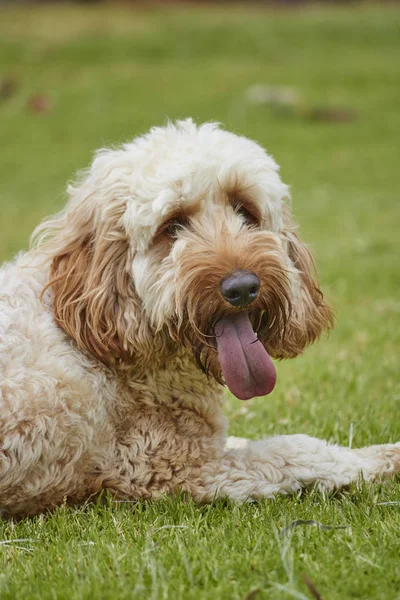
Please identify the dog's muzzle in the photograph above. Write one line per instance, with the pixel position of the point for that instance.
(240, 288)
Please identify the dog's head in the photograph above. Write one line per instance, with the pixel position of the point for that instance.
(183, 238)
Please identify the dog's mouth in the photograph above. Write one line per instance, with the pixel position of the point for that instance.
(246, 366)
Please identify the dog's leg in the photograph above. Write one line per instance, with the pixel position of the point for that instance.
(285, 464)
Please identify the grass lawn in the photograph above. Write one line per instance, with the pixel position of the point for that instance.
(107, 75)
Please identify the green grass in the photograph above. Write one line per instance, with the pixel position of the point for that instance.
(110, 74)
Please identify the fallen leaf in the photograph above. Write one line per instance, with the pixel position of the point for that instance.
(8, 87)
(334, 115)
(40, 103)
(252, 594)
(313, 590)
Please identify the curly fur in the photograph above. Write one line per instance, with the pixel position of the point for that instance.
(109, 373)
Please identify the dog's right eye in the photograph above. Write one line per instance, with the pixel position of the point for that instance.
(172, 226)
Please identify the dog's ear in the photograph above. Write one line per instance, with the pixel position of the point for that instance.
(310, 313)
(93, 296)
(89, 284)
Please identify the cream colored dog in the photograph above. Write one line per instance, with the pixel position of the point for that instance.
(175, 267)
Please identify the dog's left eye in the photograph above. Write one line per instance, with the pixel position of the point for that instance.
(244, 213)
(247, 216)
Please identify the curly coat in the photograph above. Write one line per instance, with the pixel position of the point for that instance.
(110, 370)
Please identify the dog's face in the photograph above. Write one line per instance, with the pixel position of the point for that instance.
(183, 238)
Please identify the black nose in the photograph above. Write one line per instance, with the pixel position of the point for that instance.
(240, 288)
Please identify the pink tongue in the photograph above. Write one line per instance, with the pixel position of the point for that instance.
(246, 365)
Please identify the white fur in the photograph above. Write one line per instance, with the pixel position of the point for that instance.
(71, 426)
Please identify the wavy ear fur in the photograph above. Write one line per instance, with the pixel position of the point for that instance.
(311, 315)
(93, 295)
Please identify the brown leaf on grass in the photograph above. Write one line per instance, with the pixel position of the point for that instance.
(313, 590)
(8, 87)
(333, 115)
(39, 103)
(252, 594)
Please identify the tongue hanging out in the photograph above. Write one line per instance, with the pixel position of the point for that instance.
(246, 366)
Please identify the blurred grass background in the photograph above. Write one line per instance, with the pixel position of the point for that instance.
(74, 78)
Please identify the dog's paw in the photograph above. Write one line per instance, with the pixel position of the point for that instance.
(384, 458)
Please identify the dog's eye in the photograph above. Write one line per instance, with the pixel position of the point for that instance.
(172, 226)
(248, 217)
(243, 212)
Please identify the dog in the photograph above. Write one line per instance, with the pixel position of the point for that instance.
(174, 269)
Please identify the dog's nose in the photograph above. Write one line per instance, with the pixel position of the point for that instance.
(240, 288)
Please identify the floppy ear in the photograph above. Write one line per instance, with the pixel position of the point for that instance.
(310, 313)
(90, 290)
(93, 295)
